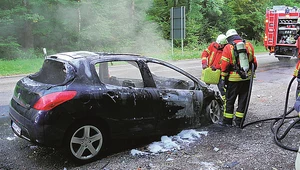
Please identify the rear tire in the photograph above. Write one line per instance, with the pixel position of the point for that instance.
(86, 141)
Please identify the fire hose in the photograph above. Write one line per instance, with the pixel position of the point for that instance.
(278, 122)
(249, 96)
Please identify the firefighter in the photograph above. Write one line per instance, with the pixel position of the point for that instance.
(297, 39)
(211, 56)
(297, 103)
(296, 71)
(235, 76)
(297, 75)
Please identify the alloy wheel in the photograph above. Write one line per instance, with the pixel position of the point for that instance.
(86, 142)
(214, 111)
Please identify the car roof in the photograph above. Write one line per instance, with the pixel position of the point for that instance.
(87, 56)
(77, 55)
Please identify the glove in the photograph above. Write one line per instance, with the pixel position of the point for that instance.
(298, 76)
(213, 68)
(204, 66)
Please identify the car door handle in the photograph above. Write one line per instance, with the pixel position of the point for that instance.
(164, 96)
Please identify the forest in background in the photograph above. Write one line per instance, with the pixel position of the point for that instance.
(131, 26)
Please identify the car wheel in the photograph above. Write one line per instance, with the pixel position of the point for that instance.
(85, 142)
(213, 111)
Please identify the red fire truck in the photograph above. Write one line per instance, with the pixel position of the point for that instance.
(282, 24)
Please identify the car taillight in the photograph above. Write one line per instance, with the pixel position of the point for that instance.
(52, 100)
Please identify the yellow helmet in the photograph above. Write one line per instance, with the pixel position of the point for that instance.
(231, 32)
(221, 39)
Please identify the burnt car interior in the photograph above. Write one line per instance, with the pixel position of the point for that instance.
(163, 76)
(166, 77)
(55, 71)
(109, 73)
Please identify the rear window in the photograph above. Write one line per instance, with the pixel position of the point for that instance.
(53, 72)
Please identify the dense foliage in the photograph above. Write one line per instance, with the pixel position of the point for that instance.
(135, 26)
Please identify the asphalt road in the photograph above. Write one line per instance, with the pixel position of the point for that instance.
(20, 154)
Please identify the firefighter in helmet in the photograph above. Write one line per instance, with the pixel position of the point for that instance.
(211, 56)
(237, 57)
(297, 75)
(297, 69)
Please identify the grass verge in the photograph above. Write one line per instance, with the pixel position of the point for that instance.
(27, 66)
(20, 66)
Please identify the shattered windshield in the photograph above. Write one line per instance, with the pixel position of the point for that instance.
(54, 72)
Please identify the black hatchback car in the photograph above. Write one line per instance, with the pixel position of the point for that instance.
(81, 100)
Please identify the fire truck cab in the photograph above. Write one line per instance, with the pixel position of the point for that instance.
(282, 24)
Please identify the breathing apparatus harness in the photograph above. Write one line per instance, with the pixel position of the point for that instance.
(219, 46)
(241, 65)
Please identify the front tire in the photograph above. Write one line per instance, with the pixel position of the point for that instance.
(214, 111)
(85, 142)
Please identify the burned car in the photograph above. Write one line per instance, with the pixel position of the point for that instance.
(82, 100)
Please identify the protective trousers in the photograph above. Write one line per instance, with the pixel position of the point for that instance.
(238, 89)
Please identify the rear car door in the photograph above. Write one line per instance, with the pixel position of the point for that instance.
(128, 101)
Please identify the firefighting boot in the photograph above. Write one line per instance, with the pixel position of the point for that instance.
(297, 124)
(237, 122)
(226, 122)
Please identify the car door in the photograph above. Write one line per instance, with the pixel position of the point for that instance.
(180, 105)
(129, 102)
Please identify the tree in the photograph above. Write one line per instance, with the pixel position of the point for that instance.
(248, 17)
(137, 26)
(201, 19)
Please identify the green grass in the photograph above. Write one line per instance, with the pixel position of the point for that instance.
(28, 66)
(20, 66)
(196, 53)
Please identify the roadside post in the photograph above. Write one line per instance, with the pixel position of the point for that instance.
(177, 25)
